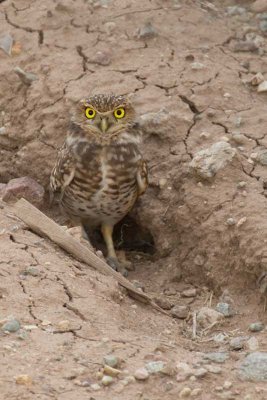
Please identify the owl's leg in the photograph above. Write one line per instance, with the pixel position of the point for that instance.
(112, 259)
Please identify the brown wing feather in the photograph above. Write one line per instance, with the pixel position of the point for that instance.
(63, 172)
(142, 177)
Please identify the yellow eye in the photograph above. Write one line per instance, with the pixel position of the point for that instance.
(119, 113)
(90, 113)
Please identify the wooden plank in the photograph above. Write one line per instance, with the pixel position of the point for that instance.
(45, 226)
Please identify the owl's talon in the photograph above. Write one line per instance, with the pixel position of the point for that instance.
(113, 263)
(117, 266)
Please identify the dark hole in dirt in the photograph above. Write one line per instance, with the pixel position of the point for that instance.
(128, 235)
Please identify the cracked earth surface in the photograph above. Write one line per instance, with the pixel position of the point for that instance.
(77, 48)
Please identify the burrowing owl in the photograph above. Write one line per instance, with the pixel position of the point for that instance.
(100, 171)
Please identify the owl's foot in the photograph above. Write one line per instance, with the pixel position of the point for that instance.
(117, 266)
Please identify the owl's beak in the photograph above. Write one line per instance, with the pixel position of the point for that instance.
(104, 125)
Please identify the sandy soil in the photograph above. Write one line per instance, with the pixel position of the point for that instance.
(190, 84)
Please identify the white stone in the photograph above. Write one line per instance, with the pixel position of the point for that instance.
(141, 374)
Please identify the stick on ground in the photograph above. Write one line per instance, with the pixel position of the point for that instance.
(45, 226)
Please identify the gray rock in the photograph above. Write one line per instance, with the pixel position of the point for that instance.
(147, 31)
(237, 343)
(111, 360)
(207, 316)
(263, 25)
(246, 46)
(6, 43)
(230, 221)
(164, 303)
(262, 157)
(32, 271)
(180, 312)
(200, 372)
(219, 338)
(262, 16)
(141, 374)
(254, 367)
(107, 380)
(2, 130)
(154, 367)
(206, 163)
(11, 326)
(235, 10)
(226, 309)
(102, 58)
(219, 357)
(259, 6)
(213, 369)
(24, 187)
(256, 327)
(26, 77)
(252, 344)
(189, 293)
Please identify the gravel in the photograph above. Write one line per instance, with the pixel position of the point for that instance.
(111, 360)
(180, 312)
(11, 326)
(254, 367)
(141, 374)
(219, 357)
(206, 163)
(256, 327)
(226, 309)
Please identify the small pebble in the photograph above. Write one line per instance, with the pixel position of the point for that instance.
(263, 85)
(141, 374)
(164, 303)
(102, 58)
(263, 26)
(107, 380)
(257, 79)
(200, 372)
(2, 130)
(214, 369)
(23, 380)
(189, 293)
(230, 221)
(207, 316)
(219, 338)
(197, 66)
(180, 312)
(252, 344)
(111, 360)
(111, 371)
(6, 43)
(30, 327)
(155, 366)
(256, 327)
(169, 386)
(32, 271)
(219, 357)
(11, 326)
(185, 392)
(225, 309)
(95, 386)
(235, 10)
(237, 343)
(227, 385)
(26, 77)
(63, 326)
(196, 392)
(147, 31)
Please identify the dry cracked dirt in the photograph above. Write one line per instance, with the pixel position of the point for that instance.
(197, 237)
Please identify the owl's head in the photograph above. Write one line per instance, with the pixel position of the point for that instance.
(105, 118)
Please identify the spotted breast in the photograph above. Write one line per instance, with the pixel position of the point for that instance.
(99, 183)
